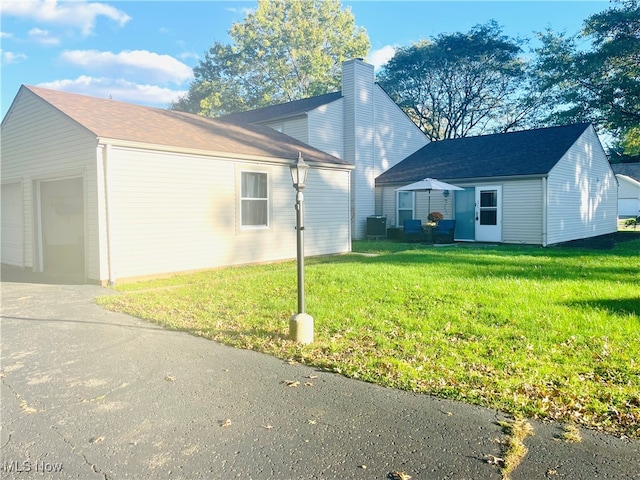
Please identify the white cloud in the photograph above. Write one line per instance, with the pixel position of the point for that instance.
(6, 35)
(380, 57)
(118, 89)
(188, 55)
(11, 57)
(145, 65)
(79, 14)
(243, 10)
(43, 37)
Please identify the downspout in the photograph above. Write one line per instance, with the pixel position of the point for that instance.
(107, 210)
(545, 201)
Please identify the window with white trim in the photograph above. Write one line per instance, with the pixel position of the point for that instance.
(405, 202)
(254, 199)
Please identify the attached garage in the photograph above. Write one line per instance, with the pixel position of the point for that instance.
(107, 191)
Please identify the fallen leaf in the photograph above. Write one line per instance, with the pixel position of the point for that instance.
(268, 427)
(95, 440)
(312, 422)
(312, 376)
(225, 423)
(493, 460)
(291, 383)
(170, 378)
(399, 476)
(308, 384)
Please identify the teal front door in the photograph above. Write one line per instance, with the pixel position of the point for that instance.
(465, 211)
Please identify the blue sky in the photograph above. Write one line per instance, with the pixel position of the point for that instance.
(144, 51)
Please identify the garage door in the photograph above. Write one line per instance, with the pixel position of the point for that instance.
(62, 225)
(12, 231)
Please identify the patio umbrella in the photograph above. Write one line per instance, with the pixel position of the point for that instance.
(427, 185)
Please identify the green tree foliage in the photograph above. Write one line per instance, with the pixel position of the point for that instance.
(462, 84)
(286, 50)
(601, 83)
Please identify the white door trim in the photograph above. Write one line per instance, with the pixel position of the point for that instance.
(489, 213)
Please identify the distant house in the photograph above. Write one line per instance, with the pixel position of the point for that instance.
(628, 175)
(538, 187)
(110, 190)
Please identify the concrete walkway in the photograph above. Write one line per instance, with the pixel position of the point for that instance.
(88, 393)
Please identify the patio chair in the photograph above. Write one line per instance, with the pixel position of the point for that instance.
(412, 231)
(443, 232)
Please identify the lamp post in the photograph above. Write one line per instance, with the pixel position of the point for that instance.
(300, 324)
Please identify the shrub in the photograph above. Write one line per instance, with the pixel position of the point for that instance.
(632, 222)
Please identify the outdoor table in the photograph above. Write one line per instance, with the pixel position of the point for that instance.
(427, 230)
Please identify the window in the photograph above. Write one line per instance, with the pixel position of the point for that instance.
(405, 207)
(254, 200)
(489, 207)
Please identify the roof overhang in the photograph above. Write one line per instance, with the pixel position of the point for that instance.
(470, 179)
(281, 118)
(627, 178)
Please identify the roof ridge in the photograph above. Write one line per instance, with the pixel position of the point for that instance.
(529, 130)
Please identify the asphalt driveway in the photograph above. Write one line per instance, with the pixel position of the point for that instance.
(88, 393)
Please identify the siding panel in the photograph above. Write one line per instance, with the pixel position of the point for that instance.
(522, 211)
(326, 125)
(582, 193)
(174, 213)
(396, 136)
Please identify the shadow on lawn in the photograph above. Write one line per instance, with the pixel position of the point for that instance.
(619, 306)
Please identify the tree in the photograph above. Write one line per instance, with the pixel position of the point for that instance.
(600, 84)
(461, 84)
(286, 50)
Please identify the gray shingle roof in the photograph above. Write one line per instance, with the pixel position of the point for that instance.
(284, 110)
(629, 169)
(529, 152)
(124, 121)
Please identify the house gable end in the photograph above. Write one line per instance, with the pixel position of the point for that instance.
(581, 192)
(27, 96)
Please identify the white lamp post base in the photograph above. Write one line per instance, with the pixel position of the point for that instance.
(301, 328)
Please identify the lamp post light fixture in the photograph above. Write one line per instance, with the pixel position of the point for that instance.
(300, 324)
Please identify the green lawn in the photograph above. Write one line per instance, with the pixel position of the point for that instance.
(544, 333)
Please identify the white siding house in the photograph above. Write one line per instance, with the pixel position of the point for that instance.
(360, 124)
(547, 186)
(110, 191)
(628, 175)
(113, 191)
